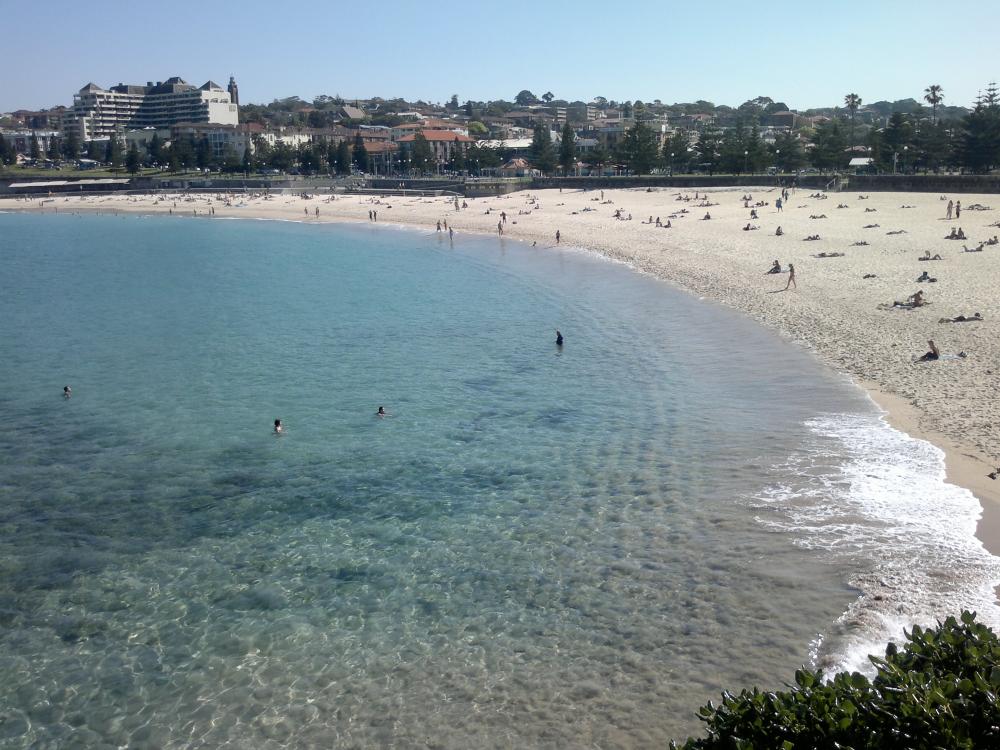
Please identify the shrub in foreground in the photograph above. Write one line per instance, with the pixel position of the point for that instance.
(939, 691)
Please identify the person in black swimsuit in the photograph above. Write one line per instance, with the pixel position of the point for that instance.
(559, 338)
(932, 354)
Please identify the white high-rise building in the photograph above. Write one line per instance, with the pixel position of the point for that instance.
(99, 113)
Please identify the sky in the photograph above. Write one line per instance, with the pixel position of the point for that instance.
(804, 54)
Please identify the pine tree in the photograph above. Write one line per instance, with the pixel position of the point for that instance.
(638, 148)
(203, 153)
(132, 161)
(4, 151)
(708, 148)
(343, 158)
(421, 156)
(541, 153)
(457, 156)
(113, 154)
(71, 145)
(155, 150)
(247, 161)
(53, 150)
(567, 149)
(359, 154)
(35, 152)
(980, 140)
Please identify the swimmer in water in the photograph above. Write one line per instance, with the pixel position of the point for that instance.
(382, 412)
(278, 429)
(67, 391)
(559, 338)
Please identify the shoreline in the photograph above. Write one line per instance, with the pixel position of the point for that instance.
(707, 266)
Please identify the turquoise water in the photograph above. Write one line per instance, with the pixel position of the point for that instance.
(539, 548)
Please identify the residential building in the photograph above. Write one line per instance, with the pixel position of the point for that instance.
(442, 143)
(102, 112)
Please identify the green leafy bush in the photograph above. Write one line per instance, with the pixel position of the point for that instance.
(939, 691)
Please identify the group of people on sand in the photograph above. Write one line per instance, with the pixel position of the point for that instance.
(953, 207)
(956, 234)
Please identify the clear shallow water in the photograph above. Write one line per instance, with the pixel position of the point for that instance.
(538, 549)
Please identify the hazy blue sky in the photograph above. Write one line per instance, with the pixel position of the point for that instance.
(805, 54)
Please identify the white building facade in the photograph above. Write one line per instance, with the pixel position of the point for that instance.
(99, 112)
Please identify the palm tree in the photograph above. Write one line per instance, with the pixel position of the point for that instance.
(852, 102)
(933, 95)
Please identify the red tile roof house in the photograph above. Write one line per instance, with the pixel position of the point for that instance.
(442, 142)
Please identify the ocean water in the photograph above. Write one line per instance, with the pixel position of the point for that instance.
(538, 548)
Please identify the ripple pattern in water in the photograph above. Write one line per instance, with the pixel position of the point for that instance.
(540, 548)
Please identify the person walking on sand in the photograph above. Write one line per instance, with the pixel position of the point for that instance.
(778, 204)
(558, 236)
(958, 209)
(791, 277)
(500, 228)
(951, 207)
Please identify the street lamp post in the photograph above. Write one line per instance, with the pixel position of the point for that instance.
(746, 160)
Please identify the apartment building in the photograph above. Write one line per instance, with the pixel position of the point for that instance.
(99, 112)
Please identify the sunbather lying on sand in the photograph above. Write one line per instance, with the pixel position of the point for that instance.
(963, 319)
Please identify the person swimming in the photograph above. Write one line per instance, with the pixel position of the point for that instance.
(382, 412)
(278, 428)
(559, 338)
(67, 391)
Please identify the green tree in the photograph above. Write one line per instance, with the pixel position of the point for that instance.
(933, 145)
(154, 150)
(897, 138)
(421, 156)
(203, 153)
(525, 97)
(980, 136)
(708, 148)
(677, 152)
(35, 152)
(113, 154)
(132, 161)
(71, 145)
(5, 151)
(343, 158)
(282, 156)
(54, 150)
(788, 154)
(541, 153)
(567, 149)
(829, 146)
(599, 156)
(457, 156)
(938, 691)
(247, 163)
(638, 148)
(852, 102)
(757, 157)
(482, 157)
(359, 154)
(731, 149)
(93, 150)
(934, 95)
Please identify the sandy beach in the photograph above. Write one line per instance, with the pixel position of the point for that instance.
(848, 320)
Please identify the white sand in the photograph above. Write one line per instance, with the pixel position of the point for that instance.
(834, 311)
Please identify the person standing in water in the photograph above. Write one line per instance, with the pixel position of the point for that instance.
(557, 236)
(278, 429)
(559, 338)
(67, 391)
